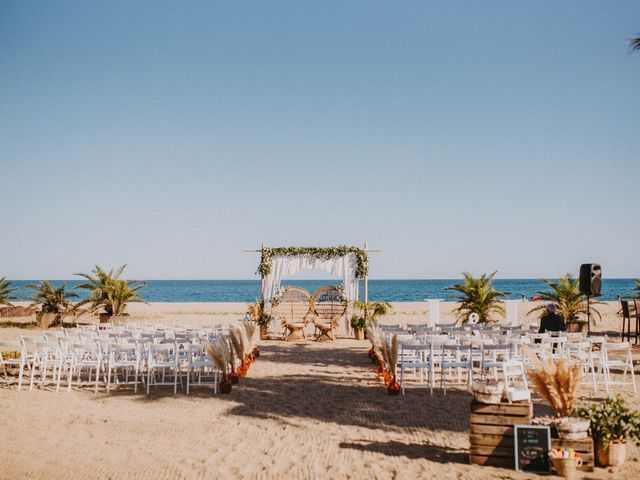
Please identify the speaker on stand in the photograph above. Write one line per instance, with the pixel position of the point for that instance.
(590, 285)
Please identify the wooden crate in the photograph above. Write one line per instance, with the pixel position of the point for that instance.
(491, 432)
(583, 447)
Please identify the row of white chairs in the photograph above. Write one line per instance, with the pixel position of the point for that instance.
(109, 356)
(598, 357)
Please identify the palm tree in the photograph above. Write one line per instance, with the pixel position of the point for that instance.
(634, 43)
(6, 291)
(565, 294)
(368, 312)
(54, 303)
(477, 295)
(109, 292)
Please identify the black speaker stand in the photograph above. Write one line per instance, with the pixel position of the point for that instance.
(588, 315)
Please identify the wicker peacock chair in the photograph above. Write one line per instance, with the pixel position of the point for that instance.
(328, 307)
(293, 311)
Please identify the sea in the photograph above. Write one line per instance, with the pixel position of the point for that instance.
(379, 290)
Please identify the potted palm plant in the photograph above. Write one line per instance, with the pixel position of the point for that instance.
(6, 292)
(612, 425)
(109, 294)
(569, 302)
(477, 295)
(53, 303)
(366, 312)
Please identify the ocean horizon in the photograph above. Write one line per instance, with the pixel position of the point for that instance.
(397, 290)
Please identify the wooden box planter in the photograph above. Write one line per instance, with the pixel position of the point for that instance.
(584, 447)
(491, 431)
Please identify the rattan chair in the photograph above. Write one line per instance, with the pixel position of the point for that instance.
(328, 307)
(293, 309)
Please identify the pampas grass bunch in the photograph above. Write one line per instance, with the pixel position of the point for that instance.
(219, 353)
(255, 310)
(386, 351)
(556, 382)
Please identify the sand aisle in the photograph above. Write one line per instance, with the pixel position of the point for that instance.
(305, 411)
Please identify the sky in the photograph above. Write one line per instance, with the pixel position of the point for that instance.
(454, 136)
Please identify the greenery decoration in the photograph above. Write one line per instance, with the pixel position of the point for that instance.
(477, 295)
(323, 253)
(565, 294)
(612, 421)
(368, 313)
(256, 312)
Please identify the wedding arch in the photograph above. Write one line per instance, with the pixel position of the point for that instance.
(349, 263)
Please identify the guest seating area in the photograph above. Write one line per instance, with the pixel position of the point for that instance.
(103, 357)
(444, 355)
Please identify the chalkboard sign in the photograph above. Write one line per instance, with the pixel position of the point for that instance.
(532, 444)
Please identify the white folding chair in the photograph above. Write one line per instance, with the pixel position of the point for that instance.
(47, 355)
(580, 353)
(413, 362)
(200, 367)
(124, 362)
(81, 358)
(12, 354)
(459, 358)
(162, 358)
(515, 378)
(494, 357)
(618, 356)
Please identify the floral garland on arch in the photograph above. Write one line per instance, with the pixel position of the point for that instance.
(323, 253)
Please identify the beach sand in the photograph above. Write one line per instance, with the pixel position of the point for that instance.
(306, 410)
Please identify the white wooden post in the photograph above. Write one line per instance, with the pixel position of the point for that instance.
(511, 307)
(434, 311)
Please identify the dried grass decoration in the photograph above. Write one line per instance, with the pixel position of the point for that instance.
(556, 382)
(236, 337)
(387, 354)
(219, 353)
(251, 349)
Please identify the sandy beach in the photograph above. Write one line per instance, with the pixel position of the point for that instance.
(306, 410)
(403, 313)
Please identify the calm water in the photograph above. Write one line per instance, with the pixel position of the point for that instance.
(390, 290)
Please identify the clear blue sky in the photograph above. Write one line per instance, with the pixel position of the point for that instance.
(454, 136)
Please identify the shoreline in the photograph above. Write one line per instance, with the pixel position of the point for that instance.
(403, 313)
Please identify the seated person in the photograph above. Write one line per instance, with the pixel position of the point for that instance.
(551, 321)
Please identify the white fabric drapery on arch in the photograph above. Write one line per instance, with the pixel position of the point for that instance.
(343, 267)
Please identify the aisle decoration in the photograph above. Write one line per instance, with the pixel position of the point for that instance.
(250, 333)
(256, 312)
(386, 353)
(242, 339)
(219, 353)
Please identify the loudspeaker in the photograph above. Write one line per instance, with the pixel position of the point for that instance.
(590, 279)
